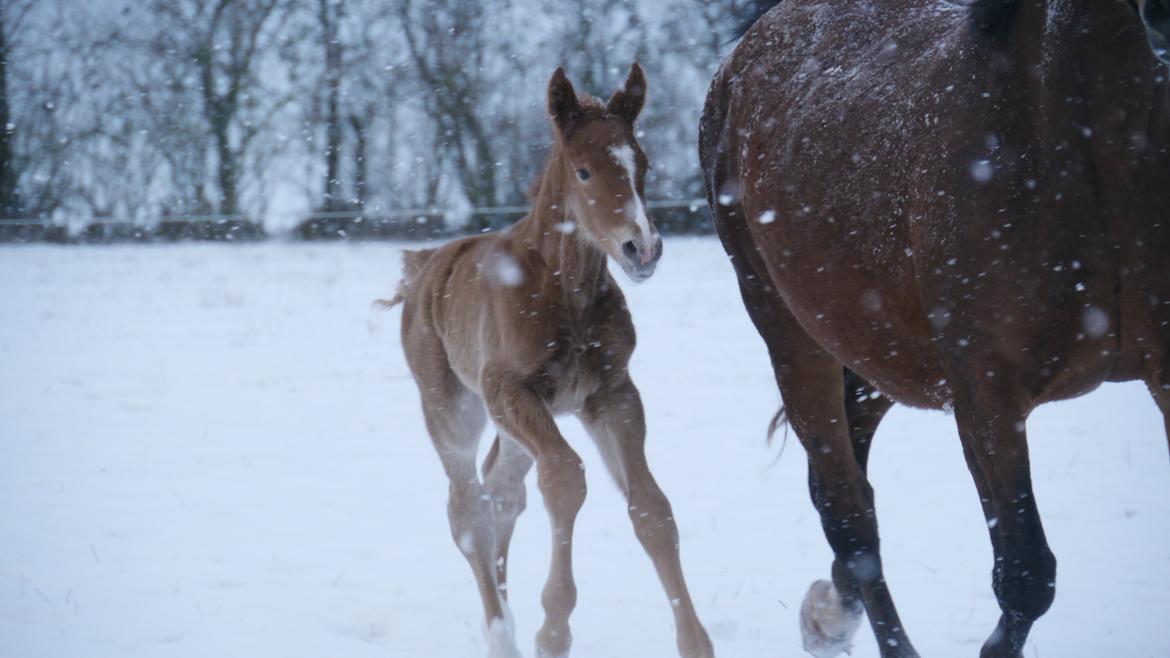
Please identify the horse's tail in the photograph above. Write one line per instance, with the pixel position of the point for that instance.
(413, 261)
(778, 421)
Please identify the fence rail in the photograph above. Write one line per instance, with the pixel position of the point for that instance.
(673, 216)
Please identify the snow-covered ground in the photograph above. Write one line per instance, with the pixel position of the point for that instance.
(217, 451)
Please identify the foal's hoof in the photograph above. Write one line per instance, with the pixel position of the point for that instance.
(826, 625)
(501, 639)
(553, 642)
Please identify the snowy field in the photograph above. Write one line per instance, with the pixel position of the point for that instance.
(214, 450)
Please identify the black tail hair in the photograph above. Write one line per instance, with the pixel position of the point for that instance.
(992, 18)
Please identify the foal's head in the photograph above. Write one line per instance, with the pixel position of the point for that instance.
(604, 171)
(1156, 15)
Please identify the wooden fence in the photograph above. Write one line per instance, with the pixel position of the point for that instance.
(673, 217)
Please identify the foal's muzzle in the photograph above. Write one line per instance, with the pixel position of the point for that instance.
(639, 257)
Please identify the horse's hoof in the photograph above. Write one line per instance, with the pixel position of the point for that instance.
(826, 625)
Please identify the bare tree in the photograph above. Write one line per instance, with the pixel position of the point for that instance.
(329, 16)
(12, 16)
(128, 108)
(221, 39)
(447, 43)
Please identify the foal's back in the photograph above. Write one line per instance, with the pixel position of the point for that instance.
(490, 300)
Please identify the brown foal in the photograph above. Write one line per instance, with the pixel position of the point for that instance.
(529, 323)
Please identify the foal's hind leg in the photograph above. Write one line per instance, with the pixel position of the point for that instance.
(831, 611)
(615, 420)
(503, 476)
(518, 411)
(455, 419)
(991, 427)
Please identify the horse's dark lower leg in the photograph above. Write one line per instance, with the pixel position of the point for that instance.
(837, 448)
(844, 499)
(1024, 575)
(864, 409)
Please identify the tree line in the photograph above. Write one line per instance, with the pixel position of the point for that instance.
(262, 109)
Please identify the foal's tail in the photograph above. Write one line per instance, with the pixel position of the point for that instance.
(412, 263)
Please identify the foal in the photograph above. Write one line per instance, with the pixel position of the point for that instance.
(529, 322)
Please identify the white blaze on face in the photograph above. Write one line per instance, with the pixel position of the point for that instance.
(624, 156)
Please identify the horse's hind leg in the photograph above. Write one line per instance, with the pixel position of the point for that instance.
(991, 427)
(455, 419)
(831, 611)
(813, 390)
(813, 386)
(615, 419)
(503, 476)
(865, 408)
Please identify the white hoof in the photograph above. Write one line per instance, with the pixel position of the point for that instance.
(501, 639)
(826, 625)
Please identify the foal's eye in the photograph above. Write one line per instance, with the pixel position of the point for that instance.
(583, 174)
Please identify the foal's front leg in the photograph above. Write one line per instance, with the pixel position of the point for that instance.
(503, 477)
(521, 413)
(615, 419)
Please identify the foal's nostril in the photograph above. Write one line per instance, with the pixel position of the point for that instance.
(630, 249)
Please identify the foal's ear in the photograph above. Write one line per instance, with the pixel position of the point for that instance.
(627, 102)
(562, 102)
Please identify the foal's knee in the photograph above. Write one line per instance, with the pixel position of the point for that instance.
(1025, 582)
(562, 482)
(470, 512)
(652, 517)
(509, 500)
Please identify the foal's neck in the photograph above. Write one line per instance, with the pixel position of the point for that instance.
(553, 230)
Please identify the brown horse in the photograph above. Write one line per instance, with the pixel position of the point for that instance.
(529, 322)
(960, 205)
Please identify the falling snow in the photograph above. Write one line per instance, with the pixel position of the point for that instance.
(1095, 322)
(503, 270)
(982, 171)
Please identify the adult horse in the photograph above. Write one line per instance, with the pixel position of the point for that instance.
(960, 205)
